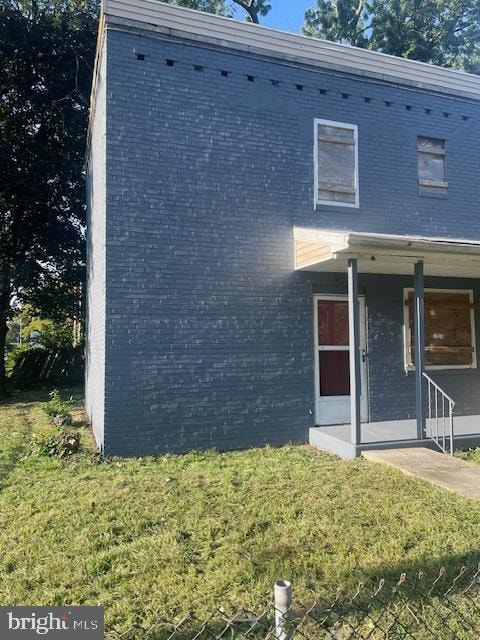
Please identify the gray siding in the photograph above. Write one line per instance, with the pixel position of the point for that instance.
(210, 331)
(96, 263)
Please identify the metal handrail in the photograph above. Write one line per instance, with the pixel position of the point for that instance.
(439, 425)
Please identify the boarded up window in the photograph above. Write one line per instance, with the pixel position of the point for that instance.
(336, 157)
(449, 329)
(432, 177)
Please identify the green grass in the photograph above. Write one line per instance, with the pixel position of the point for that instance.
(472, 455)
(150, 536)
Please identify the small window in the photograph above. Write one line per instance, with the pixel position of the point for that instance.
(432, 175)
(449, 329)
(336, 163)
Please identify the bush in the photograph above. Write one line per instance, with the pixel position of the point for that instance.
(55, 443)
(52, 335)
(56, 439)
(58, 410)
(35, 365)
(14, 354)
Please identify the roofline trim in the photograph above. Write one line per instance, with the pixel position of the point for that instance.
(228, 33)
(353, 240)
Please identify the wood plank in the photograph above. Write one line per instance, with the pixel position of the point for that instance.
(448, 329)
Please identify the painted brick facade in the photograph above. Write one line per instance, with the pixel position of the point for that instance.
(209, 330)
(96, 264)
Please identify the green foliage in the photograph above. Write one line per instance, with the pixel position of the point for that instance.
(14, 354)
(56, 407)
(55, 438)
(46, 61)
(211, 6)
(472, 455)
(340, 21)
(54, 442)
(163, 536)
(226, 7)
(53, 335)
(443, 32)
(257, 9)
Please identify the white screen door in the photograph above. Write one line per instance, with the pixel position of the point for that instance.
(332, 360)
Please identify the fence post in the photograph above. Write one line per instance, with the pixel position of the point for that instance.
(282, 603)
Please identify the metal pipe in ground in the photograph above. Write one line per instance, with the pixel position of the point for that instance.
(283, 604)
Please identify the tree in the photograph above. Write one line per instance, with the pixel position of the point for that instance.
(443, 32)
(340, 21)
(253, 8)
(46, 59)
(211, 6)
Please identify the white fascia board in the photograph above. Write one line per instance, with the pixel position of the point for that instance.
(413, 245)
(345, 245)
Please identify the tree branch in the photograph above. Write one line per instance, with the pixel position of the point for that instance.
(247, 5)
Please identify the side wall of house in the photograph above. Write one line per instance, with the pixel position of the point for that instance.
(210, 165)
(96, 261)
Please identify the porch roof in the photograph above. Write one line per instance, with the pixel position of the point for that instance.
(328, 251)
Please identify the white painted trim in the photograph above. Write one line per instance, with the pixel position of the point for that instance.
(407, 333)
(197, 26)
(365, 399)
(338, 125)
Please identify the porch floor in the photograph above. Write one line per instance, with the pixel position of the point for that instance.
(390, 434)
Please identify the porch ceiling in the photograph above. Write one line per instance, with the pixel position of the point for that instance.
(328, 251)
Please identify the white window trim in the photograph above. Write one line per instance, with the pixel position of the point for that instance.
(339, 125)
(407, 333)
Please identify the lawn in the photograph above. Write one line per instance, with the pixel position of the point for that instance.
(149, 536)
(472, 455)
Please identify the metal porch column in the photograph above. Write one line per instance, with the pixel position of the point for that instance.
(354, 333)
(419, 316)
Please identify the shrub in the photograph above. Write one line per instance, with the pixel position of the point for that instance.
(35, 365)
(58, 410)
(14, 354)
(52, 335)
(55, 442)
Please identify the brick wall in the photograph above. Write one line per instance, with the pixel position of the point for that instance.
(96, 264)
(209, 329)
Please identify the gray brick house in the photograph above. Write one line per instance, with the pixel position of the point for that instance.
(283, 240)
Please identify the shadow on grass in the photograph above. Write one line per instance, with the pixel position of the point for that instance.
(25, 398)
(435, 599)
(9, 460)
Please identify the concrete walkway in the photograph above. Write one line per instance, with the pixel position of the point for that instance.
(456, 475)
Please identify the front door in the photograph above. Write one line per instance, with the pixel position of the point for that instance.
(332, 360)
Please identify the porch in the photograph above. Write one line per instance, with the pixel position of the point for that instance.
(438, 422)
(389, 435)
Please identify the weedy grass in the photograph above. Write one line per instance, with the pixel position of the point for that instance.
(166, 535)
(472, 455)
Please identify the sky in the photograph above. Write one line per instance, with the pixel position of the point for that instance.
(287, 14)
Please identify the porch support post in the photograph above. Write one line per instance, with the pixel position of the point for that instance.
(354, 333)
(419, 316)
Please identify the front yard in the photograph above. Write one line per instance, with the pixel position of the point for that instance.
(165, 535)
(472, 455)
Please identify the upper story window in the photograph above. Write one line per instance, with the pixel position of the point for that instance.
(336, 163)
(432, 174)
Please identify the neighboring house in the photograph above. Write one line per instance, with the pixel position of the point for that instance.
(266, 214)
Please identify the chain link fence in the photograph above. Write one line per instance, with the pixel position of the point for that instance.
(416, 608)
